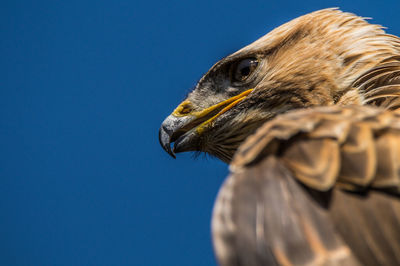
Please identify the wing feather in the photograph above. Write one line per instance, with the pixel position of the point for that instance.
(263, 216)
(356, 146)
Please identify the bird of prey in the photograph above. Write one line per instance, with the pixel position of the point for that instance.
(308, 119)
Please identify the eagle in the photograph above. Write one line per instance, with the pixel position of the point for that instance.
(308, 119)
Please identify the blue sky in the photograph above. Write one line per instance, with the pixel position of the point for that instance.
(84, 86)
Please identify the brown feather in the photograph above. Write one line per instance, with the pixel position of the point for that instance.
(263, 217)
(345, 146)
(368, 140)
(316, 143)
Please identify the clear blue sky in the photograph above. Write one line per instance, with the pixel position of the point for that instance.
(84, 86)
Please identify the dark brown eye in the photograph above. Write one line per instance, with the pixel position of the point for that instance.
(243, 69)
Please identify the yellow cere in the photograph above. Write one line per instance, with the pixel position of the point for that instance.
(183, 109)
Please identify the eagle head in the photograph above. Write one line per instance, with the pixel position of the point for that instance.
(313, 60)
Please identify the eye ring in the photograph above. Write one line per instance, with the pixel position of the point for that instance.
(243, 69)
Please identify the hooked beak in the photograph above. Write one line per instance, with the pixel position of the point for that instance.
(184, 127)
(170, 131)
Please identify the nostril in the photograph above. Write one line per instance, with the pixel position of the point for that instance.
(186, 108)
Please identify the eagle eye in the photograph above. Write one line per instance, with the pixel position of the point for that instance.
(242, 70)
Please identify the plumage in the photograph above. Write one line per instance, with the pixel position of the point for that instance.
(308, 117)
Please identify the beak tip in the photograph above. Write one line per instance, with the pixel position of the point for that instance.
(165, 141)
(170, 152)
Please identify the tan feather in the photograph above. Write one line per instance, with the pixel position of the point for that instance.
(365, 137)
(345, 146)
(315, 177)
